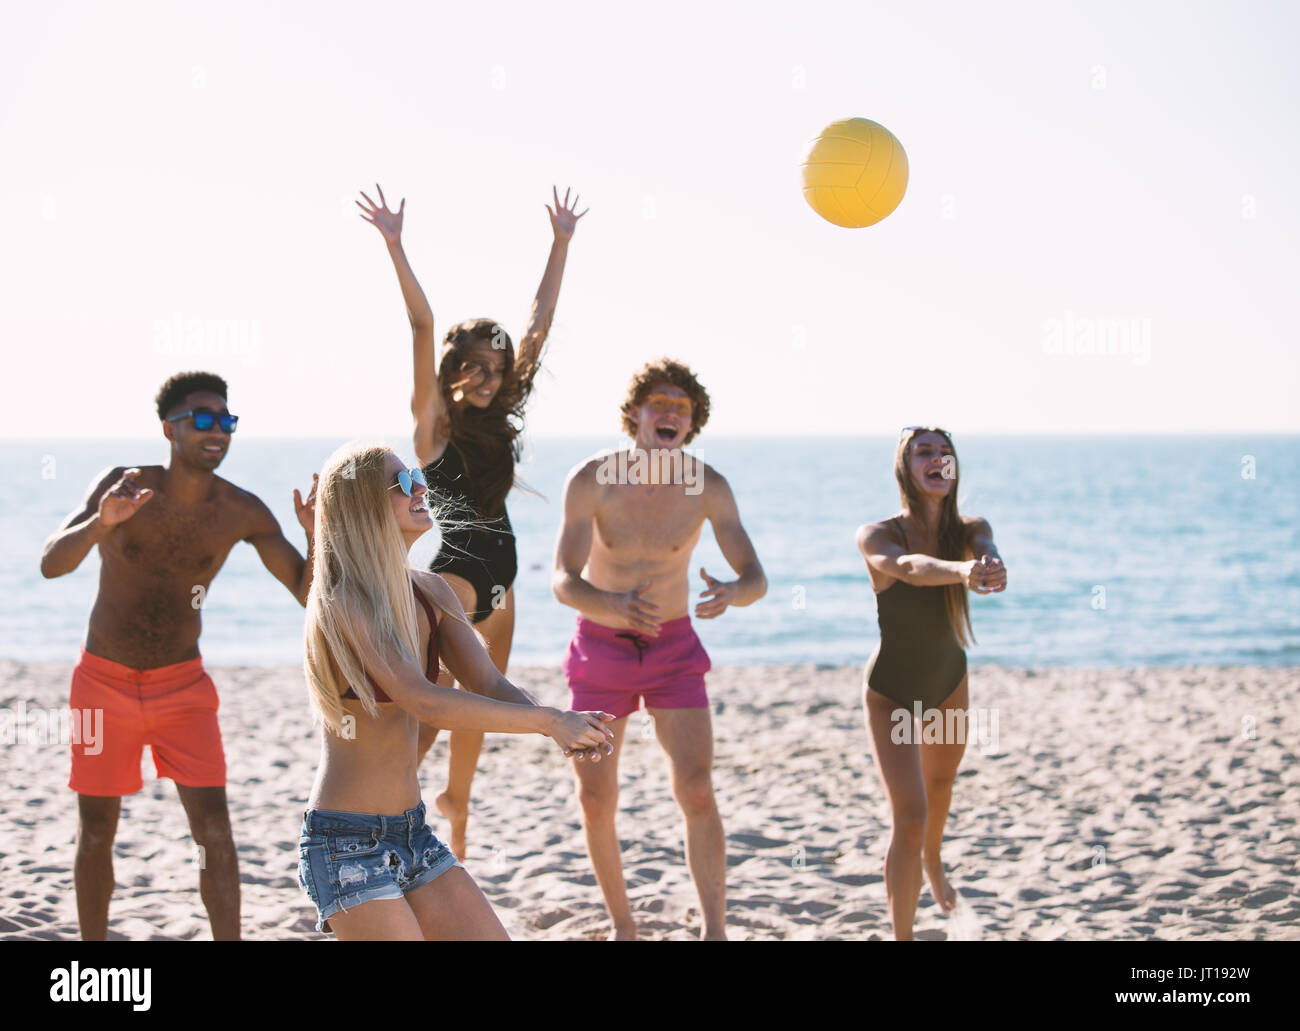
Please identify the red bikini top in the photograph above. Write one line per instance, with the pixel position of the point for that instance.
(431, 664)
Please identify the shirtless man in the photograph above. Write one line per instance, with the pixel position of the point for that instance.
(163, 532)
(622, 561)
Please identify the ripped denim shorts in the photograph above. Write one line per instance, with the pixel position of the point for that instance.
(345, 859)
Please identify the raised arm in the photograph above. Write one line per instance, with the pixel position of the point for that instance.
(276, 553)
(736, 548)
(885, 555)
(113, 498)
(572, 549)
(426, 398)
(563, 223)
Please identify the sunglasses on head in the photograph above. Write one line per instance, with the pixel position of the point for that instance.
(204, 418)
(406, 478)
(664, 403)
(923, 429)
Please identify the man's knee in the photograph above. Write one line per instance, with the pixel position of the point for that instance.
(213, 834)
(694, 791)
(209, 819)
(97, 821)
(96, 836)
(599, 801)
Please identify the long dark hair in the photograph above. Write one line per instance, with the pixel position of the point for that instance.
(488, 439)
(951, 533)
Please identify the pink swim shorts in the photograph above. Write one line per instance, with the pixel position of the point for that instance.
(612, 670)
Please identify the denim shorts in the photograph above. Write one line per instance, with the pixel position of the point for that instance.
(345, 859)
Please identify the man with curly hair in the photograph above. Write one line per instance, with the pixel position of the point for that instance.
(631, 521)
(163, 532)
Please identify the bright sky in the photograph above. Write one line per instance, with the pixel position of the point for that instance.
(192, 166)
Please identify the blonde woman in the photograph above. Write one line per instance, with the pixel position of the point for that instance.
(376, 632)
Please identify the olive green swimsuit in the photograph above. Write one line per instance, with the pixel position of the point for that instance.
(919, 658)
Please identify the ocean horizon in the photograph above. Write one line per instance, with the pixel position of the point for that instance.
(1121, 550)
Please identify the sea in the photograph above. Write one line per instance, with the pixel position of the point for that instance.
(1121, 551)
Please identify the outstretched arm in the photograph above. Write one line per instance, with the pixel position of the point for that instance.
(736, 548)
(426, 398)
(276, 553)
(885, 555)
(563, 223)
(112, 499)
(985, 552)
(451, 709)
(462, 652)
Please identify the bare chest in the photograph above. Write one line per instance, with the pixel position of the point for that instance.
(657, 519)
(163, 541)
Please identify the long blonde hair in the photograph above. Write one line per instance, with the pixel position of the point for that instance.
(361, 581)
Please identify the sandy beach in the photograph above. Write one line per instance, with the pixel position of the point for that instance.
(1152, 804)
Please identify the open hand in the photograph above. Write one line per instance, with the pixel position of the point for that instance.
(636, 612)
(123, 500)
(389, 223)
(563, 219)
(714, 599)
(306, 510)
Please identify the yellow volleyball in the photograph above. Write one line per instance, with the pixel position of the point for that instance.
(855, 173)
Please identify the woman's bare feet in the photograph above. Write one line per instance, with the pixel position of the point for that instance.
(944, 893)
(623, 933)
(456, 813)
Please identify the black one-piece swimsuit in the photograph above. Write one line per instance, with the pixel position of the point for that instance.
(919, 658)
(483, 554)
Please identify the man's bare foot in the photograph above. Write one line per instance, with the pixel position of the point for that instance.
(456, 814)
(623, 933)
(944, 893)
(713, 936)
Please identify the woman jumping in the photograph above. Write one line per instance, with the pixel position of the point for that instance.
(376, 631)
(921, 562)
(468, 419)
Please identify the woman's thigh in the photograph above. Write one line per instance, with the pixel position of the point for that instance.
(899, 761)
(498, 629)
(451, 907)
(940, 759)
(380, 920)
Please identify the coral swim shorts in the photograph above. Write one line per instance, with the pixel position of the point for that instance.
(612, 670)
(172, 709)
